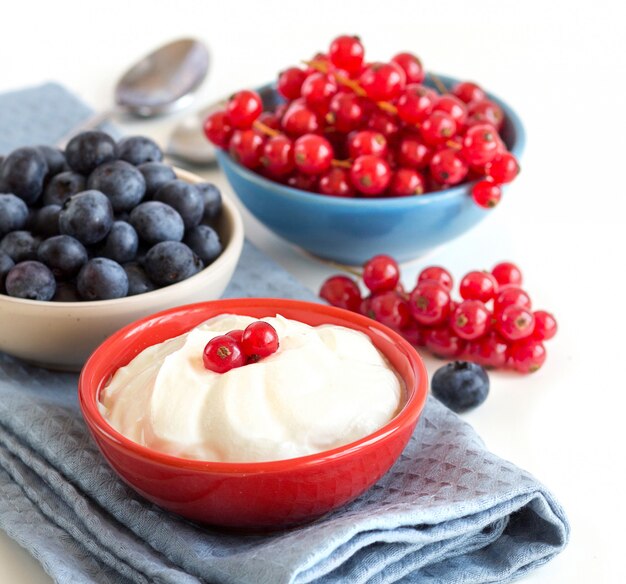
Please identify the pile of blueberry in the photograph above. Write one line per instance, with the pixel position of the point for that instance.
(101, 220)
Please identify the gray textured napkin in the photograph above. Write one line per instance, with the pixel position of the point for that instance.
(448, 511)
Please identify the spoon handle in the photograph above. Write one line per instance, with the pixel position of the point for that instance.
(90, 123)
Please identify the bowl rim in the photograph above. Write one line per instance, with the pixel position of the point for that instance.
(224, 159)
(409, 412)
(229, 254)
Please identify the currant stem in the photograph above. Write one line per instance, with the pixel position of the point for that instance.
(341, 163)
(438, 83)
(265, 129)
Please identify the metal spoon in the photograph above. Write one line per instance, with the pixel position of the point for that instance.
(161, 82)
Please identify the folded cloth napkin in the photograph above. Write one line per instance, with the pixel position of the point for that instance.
(448, 511)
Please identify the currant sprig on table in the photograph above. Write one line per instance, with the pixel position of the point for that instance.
(492, 324)
(351, 128)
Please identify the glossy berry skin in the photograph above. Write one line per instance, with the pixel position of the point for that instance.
(447, 167)
(169, 262)
(370, 175)
(63, 255)
(299, 120)
(468, 92)
(383, 81)
(317, 90)
(442, 342)
(510, 295)
(545, 326)
(527, 356)
(138, 150)
(485, 112)
(437, 128)
(183, 197)
(121, 182)
(390, 309)
(478, 286)
(347, 53)
(367, 142)
(486, 194)
(290, 82)
(236, 335)
(155, 175)
(246, 147)
(461, 386)
(88, 150)
(222, 353)
(218, 128)
(138, 281)
(488, 351)
(20, 245)
(406, 182)
(429, 303)
(312, 154)
(452, 106)
(413, 153)
(13, 214)
(415, 103)
(342, 292)
(259, 340)
(304, 182)
(87, 216)
(471, 319)
(345, 112)
(155, 222)
(55, 159)
(244, 108)
(515, 323)
(336, 183)
(277, 158)
(412, 67)
(22, 174)
(62, 186)
(212, 199)
(381, 273)
(503, 168)
(6, 263)
(438, 274)
(480, 144)
(507, 273)
(31, 280)
(102, 279)
(204, 242)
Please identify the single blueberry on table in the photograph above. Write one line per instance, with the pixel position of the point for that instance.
(102, 279)
(204, 242)
(139, 150)
(183, 197)
(20, 245)
(46, 221)
(87, 216)
(88, 150)
(212, 198)
(138, 280)
(13, 213)
(22, 173)
(31, 280)
(121, 182)
(66, 292)
(55, 159)
(63, 254)
(62, 186)
(460, 385)
(155, 222)
(169, 262)
(156, 175)
(122, 243)
(6, 263)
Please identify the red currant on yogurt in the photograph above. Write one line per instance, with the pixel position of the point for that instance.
(341, 291)
(370, 175)
(471, 319)
(243, 108)
(259, 340)
(222, 353)
(478, 286)
(381, 273)
(429, 303)
(312, 154)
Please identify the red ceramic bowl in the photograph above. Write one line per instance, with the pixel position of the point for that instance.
(252, 495)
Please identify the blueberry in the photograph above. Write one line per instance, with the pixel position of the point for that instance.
(31, 280)
(156, 175)
(66, 292)
(63, 254)
(212, 198)
(156, 222)
(169, 262)
(121, 182)
(20, 245)
(183, 197)
(460, 385)
(87, 216)
(88, 150)
(62, 186)
(138, 281)
(55, 159)
(122, 242)
(13, 213)
(6, 263)
(204, 242)
(23, 173)
(138, 150)
(102, 279)
(46, 221)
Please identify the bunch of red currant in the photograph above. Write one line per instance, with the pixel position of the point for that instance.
(240, 347)
(493, 325)
(349, 128)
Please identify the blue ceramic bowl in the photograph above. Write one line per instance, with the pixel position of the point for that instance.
(349, 230)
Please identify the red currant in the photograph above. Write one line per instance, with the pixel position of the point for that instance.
(486, 194)
(488, 351)
(411, 66)
(236, 335)
(383, 81)
(367, 142)
(347, 53)
(447, 167)
(510, 295)
(370, 175)
(278, 156)
(429, 303)
(485, 112)
(545, 326)
(414, 334)
(515, 323)
(437, 128)
(503, 168)
(290, 82)
(299, 120)
(468, 92)
(259, 340)
(381, 273)
(406, 182)
(270, 119)
(413, 153)
(471, 319)
(346, 112)
(454, 106)
(438, 274)
(480, 144)
(317, 90)
(442, 342)
(222, 353)
(507, 273)
(336, 183)
(527, 356)
(478, 286)
(415, 103)
(384, 123)
(312, 154)
(218, 129)
(243, 108)
(341, 291)
(391, 309)
(246, 147)
(304, 182)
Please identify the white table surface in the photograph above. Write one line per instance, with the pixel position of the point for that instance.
(559, 65)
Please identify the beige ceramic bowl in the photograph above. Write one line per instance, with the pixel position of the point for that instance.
(61, 335)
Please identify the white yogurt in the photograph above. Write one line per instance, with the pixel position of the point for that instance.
(326, 386)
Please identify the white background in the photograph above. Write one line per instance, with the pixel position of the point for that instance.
(560, 64)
